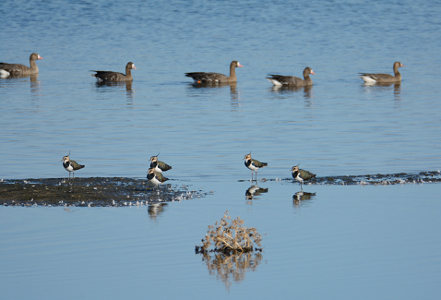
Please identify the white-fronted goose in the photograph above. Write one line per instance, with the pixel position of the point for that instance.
(372, 78)
(216, 78)
(17, 70)
(110, 76)
(292, 81)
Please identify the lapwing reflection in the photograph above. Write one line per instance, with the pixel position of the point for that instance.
(254, 191)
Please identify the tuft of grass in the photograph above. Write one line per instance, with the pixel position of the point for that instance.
(230, 236)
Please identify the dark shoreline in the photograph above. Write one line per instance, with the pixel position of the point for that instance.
(122, 191)
(92, 191)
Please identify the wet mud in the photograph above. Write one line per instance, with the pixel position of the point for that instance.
(370, 179)
(94, 191)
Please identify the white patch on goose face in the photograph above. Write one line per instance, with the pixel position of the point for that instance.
(368, 79)
(4, 73)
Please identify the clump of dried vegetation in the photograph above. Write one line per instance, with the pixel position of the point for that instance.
(230, 237)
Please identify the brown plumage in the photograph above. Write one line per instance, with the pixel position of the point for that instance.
(110, 76)
(216, 78)
(292, 81)
(374, 78)
(17, 70)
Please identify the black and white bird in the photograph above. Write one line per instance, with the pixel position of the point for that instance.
(158, 165)
(253, 164)
(71, 166)
(155, 178)
(301, 175)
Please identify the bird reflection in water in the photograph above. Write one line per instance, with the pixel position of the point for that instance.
(234, 94)
(385, 87)
(301, 196)
(126, 84)
(254, 191)
(229, 268)
(155, 209)
(292, 89)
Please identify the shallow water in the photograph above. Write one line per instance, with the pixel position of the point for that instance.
(376, 241)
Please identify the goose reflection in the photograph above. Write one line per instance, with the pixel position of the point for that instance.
(285, 89)
(300, 196)
(233, 88)
(254, 191)
(122, 84)
(229, 268)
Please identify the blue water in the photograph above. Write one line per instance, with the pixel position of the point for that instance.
(347, 242)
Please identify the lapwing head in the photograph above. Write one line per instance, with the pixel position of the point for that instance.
(308, 71)
(151, 171)
(66, 158)
(295, 169)
(154, 158)
(248, 156)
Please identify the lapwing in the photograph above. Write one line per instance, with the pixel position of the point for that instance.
(301, 175)
(253, 164)
(155, 178)
(71, 166)
(158, 165)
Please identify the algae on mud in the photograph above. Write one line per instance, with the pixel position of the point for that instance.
(93, 191)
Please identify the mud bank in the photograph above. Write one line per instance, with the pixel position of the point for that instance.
(93, 191)
(370, 179)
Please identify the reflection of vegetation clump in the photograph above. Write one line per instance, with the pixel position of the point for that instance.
(229, 268)
(230, 237)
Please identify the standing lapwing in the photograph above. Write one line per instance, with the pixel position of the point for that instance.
(158, 165)
(71, 166)
(155, 178)
(253, 164)
(301, 175)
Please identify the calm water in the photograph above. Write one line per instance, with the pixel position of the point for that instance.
(346, 242)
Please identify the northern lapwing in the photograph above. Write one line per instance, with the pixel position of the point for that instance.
(155, 178)
(71, 166)
(385, 79)
(253, 164)
(301, 175)
(158, 165)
